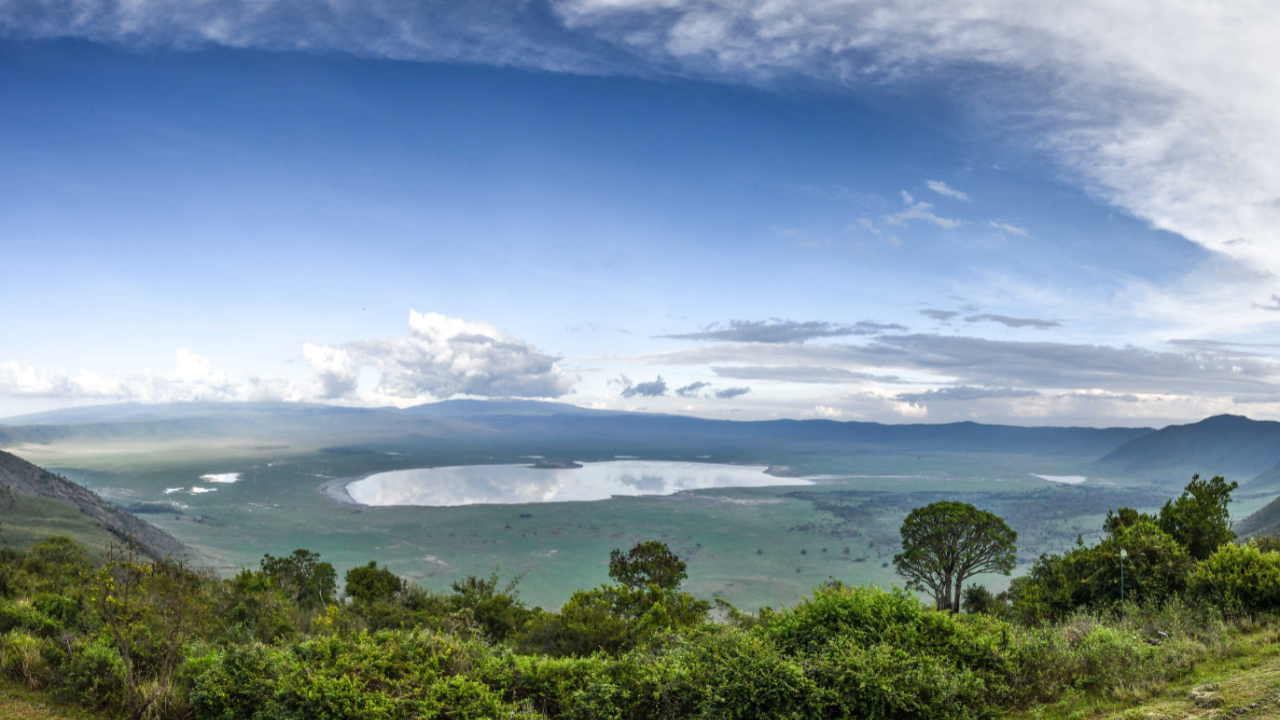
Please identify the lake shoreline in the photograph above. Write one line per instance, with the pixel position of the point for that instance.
(336, 490)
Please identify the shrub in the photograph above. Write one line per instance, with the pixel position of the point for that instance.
(95, 677)
(27, 659)
(1239, 579)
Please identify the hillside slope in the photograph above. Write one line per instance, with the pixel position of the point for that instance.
(1265, 521)
(24, 478)
(1230, 445)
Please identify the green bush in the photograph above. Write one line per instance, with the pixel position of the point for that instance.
(27, 659)
(95, 677)
(1239, 579)
(1156, 570)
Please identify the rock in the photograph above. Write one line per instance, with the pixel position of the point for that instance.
(1206, 696)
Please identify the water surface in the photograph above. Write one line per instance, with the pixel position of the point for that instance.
(489, 484)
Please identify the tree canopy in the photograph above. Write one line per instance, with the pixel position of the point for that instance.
(647, 563)
(302, 574)
(1198, 519)
(946, 543)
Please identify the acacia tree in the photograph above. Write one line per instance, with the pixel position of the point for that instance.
(946, 543)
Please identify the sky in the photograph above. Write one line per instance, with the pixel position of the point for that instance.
(887, 210)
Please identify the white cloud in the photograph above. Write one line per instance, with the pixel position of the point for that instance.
(444, 356)
(193, 378)
(1011, 229)
(920, 211)
(337, 372)
(1169, 109)
(440, 357)
(946, 190)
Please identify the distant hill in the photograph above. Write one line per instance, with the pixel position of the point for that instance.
(1230, 445)
(535, 427)
(24, 479)
(479, 408)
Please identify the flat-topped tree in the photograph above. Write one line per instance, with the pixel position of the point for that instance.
(946, 543)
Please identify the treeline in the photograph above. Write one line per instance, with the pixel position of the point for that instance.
(133, 637)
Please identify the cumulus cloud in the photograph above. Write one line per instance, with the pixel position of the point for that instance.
(337, 371)
(730, 393)
(946, 190)
(443, 356)
(439, 357)
(692, 389)
(1014, 322)
(653, 388)
(193, 378)
(782, 331)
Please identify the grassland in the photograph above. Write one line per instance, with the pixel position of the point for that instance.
(30, 519)
(751, 547)
(20, 703)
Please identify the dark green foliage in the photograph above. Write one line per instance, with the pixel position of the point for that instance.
(646, 602)
(478, 602)
(637, 649)
(1239, 579)
(1199, 519)
(371, 583)
(946, 543)
(648, 563)
(252, 607)
(1156, 570)
(302, 574)
(1121, 519)
(978, 600)
(1267, 543)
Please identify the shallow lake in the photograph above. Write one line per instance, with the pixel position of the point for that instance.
(491, 484)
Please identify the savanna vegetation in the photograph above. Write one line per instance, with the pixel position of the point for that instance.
(127, 636)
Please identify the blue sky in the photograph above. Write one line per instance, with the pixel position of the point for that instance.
(725, 211)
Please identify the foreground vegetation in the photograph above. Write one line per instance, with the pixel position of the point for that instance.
(132, 637)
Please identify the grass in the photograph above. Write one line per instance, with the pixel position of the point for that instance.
(20, 703)
(33, 518)
(1244, 672)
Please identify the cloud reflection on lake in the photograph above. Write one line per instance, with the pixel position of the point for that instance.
(491, 484)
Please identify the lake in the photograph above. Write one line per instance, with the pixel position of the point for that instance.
(510, 484)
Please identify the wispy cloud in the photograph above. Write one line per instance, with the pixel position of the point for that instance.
(1181, 133)
(1014, 322)
(919, 211)
(782, 331)
(1011, 229)
(941, 315)
(730, 393)
(1273, 306)
(802, 374)
(1043, 366)
(965, 393)
(692, 389)
(946, 190)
